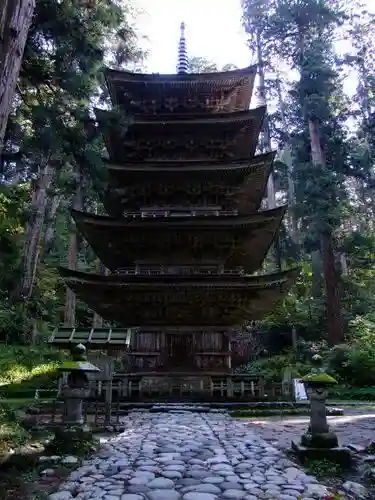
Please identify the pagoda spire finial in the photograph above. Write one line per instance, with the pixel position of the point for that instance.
(183, 60)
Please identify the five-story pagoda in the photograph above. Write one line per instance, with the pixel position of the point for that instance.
(184, 234)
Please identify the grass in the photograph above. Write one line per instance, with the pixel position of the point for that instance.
(24, 369)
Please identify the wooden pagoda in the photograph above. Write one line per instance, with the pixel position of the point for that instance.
(184, 235)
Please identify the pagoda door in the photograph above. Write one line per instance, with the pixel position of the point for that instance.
(180, 351)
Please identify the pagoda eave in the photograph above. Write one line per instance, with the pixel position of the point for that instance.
(169, 94)
(167, 280)
(214, 222)
(236, 241)
(192, 167)
(237, 119)
(179, 79)
(200, 138)
(184, 303)
(233, 185)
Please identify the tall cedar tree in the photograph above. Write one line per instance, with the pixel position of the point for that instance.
(301, 34)
(15, 20)
(51, 143)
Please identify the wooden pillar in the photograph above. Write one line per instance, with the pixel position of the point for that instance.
(229, 387)
(106, 364)
(229, 360)
(108, 401)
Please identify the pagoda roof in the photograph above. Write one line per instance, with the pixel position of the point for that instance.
(152, 301)
(199, 137)
(237, 184)
(141, 93)
(238, 241)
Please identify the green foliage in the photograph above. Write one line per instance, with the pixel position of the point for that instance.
(323, 469)
(299, 308)
(272, 369)
(354, 363)
(73, 441)
(13, 203)
(348, 392)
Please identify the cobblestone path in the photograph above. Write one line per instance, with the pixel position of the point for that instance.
(188, 456)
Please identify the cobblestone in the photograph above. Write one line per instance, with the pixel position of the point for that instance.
(188, 456)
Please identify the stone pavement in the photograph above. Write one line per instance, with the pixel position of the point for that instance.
(188, 456)
(353, 428)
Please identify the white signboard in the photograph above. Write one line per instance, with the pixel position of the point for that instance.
(299, 390)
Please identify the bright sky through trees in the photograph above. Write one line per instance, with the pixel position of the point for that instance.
(214, 31)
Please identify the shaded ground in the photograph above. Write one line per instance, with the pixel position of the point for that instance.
(28, 486)
(355, 427)
(20, 477)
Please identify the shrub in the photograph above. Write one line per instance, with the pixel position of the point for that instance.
(272, 369)
(354, 363)
(345, 392)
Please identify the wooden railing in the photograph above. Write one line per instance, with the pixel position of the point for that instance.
(213, 388)
(171, 214)
(180, 271)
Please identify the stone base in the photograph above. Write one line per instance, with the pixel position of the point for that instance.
(323, 440)
(337, 454)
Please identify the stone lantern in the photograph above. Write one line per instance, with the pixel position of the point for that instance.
(77, 388)
(318, 434)
(319, 441)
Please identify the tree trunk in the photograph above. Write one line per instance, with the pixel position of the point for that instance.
(288, 160)
(266, 140)
(317, 155)
(49, 234)
(70, 297)
(33, 231)
(15, 21)
(317, 274)
(335, 324)
(317, 158)
(266, 134)
(97, 321)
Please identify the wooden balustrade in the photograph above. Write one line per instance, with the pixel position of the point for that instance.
(203, 387)
(180, 271)
(171, 213)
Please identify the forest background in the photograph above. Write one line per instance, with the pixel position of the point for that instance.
(51, 153)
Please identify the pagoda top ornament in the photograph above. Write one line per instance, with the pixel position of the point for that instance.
(183, 60)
